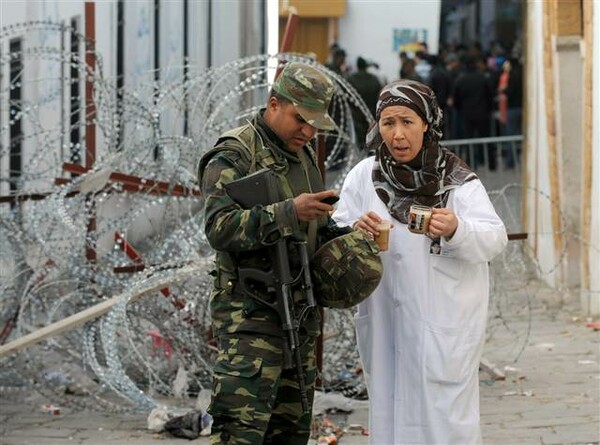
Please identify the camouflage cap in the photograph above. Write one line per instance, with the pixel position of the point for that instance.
(346, 270)
(309, 90)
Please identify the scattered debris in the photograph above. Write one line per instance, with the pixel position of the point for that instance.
(180, 384)
(594, 326)
(548, 346)
(203, 400)
(330, 406)
(491, 369)
(157, 419)
(330, 439)
(190, 426)
(519, 393)
(333, 401)
(326, 431)
(160, 343)
(50, 408)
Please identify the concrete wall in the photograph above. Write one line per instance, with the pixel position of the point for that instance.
(538, 208)
(216, 36)
(554, 155)
(592, 300)
(569, 65)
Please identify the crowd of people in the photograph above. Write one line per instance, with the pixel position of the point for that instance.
(479, 92)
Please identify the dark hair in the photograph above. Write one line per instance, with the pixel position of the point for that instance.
(409, 63)
(339, 52)
(361, 64)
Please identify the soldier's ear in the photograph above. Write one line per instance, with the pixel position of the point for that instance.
(273, 104)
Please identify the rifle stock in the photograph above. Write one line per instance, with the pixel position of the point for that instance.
(262, 188)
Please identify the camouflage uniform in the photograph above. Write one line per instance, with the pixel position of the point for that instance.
(254, 399)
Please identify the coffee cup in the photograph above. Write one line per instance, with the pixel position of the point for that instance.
(418, 218)
(383, 239)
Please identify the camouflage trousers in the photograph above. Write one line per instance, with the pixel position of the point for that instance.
(255, 401)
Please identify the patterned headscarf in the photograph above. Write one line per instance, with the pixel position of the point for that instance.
(429, 177)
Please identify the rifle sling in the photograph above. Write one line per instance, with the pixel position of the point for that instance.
(311, 239)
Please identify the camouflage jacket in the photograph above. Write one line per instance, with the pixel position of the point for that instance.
(241, 238)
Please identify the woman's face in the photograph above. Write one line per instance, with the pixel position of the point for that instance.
(402, 131)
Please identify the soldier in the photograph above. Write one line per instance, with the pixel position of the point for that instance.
(255, 400)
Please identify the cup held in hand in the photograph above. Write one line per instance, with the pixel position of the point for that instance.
(418, 219)
(383, 238)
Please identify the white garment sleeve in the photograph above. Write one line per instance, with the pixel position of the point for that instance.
(350, 206)
(480, 234)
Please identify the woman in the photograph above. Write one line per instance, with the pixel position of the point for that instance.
(421, 333)
(501, 93)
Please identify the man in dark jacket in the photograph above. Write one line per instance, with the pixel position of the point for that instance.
(473, 98)
(367, 85)
(440, 83)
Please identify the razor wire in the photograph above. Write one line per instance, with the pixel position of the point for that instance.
(140, 211)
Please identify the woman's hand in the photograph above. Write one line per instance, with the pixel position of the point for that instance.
(369, 222)
(443, 222)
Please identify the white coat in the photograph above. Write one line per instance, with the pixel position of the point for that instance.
(421, 333)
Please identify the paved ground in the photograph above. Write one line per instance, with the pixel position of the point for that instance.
(550, 395)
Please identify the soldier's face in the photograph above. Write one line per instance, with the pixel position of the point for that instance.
(402, 130)
(285, 121)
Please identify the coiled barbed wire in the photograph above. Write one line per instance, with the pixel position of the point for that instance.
(139, 211)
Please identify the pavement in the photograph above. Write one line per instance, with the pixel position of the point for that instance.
(548, 354)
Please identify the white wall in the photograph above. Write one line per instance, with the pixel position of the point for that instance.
(368, 29)
(538, 206)
(593, 250)
(44, 79)
(43, 94)
(226, 31)
(561, 268)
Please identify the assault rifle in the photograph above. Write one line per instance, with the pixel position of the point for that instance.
(264, 188)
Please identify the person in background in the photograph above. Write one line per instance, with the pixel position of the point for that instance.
(501, 95)
(338, 62)
(367, 85)
(421, 333)
(374, 68)
(336, 149)
(403, 57)
(510, 97)
(256, 397)
(453, 119)
(514, 98)
(474, 98)
(422, 66)
(409, 70)
(441, 84)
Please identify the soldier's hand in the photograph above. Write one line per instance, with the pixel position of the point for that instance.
(309, 206)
